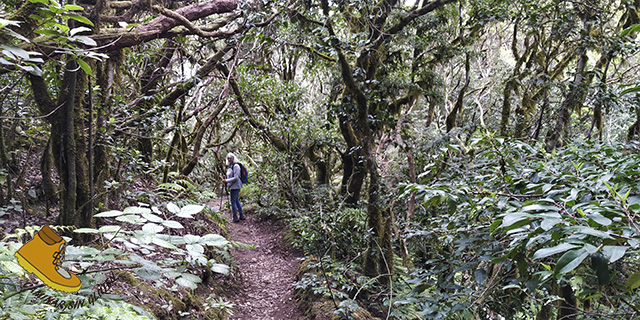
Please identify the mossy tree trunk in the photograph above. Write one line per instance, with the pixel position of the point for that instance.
(64, 144)
(577, 88)
(80, 126)
(353, 165)
(105, 73)
(68, 143)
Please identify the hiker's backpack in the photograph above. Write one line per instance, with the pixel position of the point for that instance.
(244, 174)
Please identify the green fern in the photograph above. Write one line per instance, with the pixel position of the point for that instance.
(186, 183)
(19, 232)
(217, 216)
(171, 186)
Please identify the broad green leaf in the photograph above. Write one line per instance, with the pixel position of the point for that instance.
(35, 60)
(5, 22)
(172, 224)
(220, 268)
(39, 1)
(480, 276)
(171, 273)
(599, 219)
(131, 218)
(189, 210)
(65, 29)
(163, 243)
(614, 253)
(192, 277)
(86, 230)
(195, 249)
(590, 249)
(84, 66)
(85, 40)
(545, 252)
(151, 217)
(78, 18)
(147, 273)
(136, 210)
(186, 283)
(549, 223)
(191, 239)
(539, 207)
(494, 226)
(634, 281)
(152, 228)
(592, 232)
(104, 229)
(214, 240)
(15, 52)
(569, 261)
(31, 69)
(513, 218)
(48, 32)
(109, 214)
(73, 7)
(173, 208)
(75, 31)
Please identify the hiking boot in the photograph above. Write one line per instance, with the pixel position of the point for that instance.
(43, 257)
(242, 217)
(235, 219)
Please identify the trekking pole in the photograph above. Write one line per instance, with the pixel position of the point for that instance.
(221, 194)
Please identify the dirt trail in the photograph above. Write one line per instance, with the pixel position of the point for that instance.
(267, 272)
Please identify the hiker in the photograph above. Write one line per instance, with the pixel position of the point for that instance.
(234, 183)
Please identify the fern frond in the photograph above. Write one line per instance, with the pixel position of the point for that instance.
(172, 186)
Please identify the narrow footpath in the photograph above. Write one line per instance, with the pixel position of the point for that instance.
(267, 272)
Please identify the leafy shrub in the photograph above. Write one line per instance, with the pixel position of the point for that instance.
(340, 233)
(336, 283)
(144, 239)
(511, 230)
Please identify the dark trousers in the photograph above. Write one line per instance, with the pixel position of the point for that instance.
(235, 204)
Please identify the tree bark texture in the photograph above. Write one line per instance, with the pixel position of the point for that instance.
(68, 143)
(161, 26)
(577, 91)
(64, 144)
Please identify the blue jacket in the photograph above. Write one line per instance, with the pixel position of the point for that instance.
(233, 177)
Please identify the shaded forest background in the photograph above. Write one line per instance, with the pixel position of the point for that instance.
(470, 159)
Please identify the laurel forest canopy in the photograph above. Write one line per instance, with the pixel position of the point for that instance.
(446, 159)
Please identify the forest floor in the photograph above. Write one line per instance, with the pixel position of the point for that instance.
(266, 272)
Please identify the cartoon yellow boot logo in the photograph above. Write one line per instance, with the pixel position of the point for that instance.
(43, 257)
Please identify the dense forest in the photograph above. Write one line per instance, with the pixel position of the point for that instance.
(444, 159)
